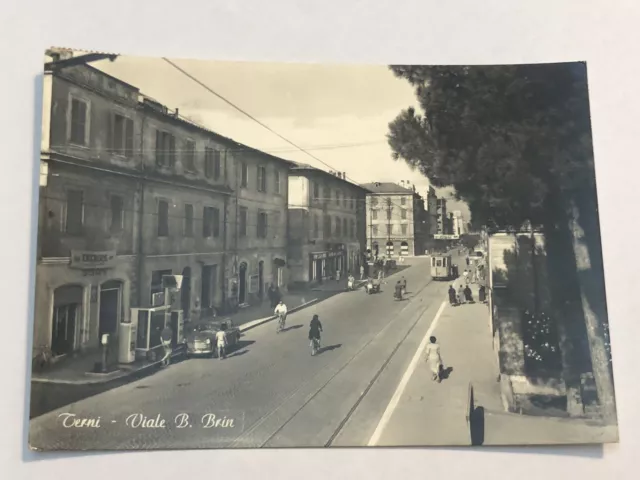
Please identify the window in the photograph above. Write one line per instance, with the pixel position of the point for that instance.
(375, 230)
(212, 163)
(327, 226)
(327, 194)
(404, 228)
(403, 213)
(75, 212)
(165, 149)
(338, 199)
(244, 175)
(78, 134)
(188, 220)
(276, 177)
(389, 229)
(156, 281)
(338, 227)
(189, 155)
(316, 191)
(242, 227)
(345, 228)
(117, 213)
(315, 226)
(262, 225)
(353, 229)
(374, 214)
(163, 218)
(374, 201)
(210, 222)
(403, 200)
(121, 141)
(262, 179)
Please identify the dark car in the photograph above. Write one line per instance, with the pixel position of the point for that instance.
(201, 337)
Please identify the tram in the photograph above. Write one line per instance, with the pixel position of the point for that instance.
(442, 268)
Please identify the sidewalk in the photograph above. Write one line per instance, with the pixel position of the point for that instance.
(78, 370)
(429, 413)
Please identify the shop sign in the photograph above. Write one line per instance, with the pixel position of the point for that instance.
(92, 260)
(446, 237)
(323, 255)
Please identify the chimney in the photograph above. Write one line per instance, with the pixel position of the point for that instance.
(177, 114)
(344, 175)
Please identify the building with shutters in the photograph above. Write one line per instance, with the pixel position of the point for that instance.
(131, 191)
(326, 225)
(397, 222)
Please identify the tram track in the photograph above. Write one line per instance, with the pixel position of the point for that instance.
(240, 441)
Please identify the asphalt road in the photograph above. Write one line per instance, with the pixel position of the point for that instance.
(271, 392)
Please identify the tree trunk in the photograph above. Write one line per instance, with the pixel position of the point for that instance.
(591, 294)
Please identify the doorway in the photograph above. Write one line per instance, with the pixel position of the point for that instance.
(208, 288)
(260, 278)
(242, 281)
(185, 293)
(110, 305)
(67, 307)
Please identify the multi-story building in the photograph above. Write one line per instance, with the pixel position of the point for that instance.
(396, 220)
(130, 191)
(459, 225)
(326, 224)
(258, 213)
(441, 216)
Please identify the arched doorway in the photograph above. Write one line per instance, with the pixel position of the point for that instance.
(404, 249)
(242, 283)
(260, 278)
(67, 312)
(110, 308)
(185, 293)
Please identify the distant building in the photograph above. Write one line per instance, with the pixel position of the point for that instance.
(326, 224)
(441, 217)
(459, 224)
(396, 219)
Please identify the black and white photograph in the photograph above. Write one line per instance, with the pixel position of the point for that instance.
(271, 255)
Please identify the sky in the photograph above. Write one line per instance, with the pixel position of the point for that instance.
(338, 113)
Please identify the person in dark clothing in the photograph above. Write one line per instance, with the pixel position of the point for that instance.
(398, 292)
(467, 294)
(403, 282)
(271, 295)
(452, 296)
(482, 294)
(315, 328)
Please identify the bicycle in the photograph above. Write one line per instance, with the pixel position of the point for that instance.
(315, 346)
(281, 320)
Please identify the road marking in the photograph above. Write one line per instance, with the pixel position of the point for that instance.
(393, 403)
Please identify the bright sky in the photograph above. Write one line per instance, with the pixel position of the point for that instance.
(339, 113)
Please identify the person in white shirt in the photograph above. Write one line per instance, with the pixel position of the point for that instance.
(281, 312)
(221, 343)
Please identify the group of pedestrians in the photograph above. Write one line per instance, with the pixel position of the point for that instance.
(464, 294)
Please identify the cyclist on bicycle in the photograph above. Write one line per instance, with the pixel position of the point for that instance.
(315, 327)
(281, 312)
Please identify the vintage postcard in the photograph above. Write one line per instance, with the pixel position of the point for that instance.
(246, 255)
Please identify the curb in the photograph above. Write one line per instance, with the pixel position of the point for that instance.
(124, 373)
(261, 321)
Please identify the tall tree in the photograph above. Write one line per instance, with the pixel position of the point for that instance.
(515, 142)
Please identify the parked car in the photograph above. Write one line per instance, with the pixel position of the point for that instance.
(201, 337)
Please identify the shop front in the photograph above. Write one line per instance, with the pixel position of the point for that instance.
(325, 265)
(79, 299)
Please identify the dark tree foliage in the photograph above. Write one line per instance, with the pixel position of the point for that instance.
(504, 136)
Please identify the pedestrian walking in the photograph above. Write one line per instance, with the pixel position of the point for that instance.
(338, 275)
(452, 296)
(468, 295)
(434, 359)
(167, 336)
(461, 295)
(361, 272)
(482, 294)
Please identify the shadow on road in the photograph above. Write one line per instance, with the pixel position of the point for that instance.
(238, 354)
(292, 327)
(445, 373)
(329, 348)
